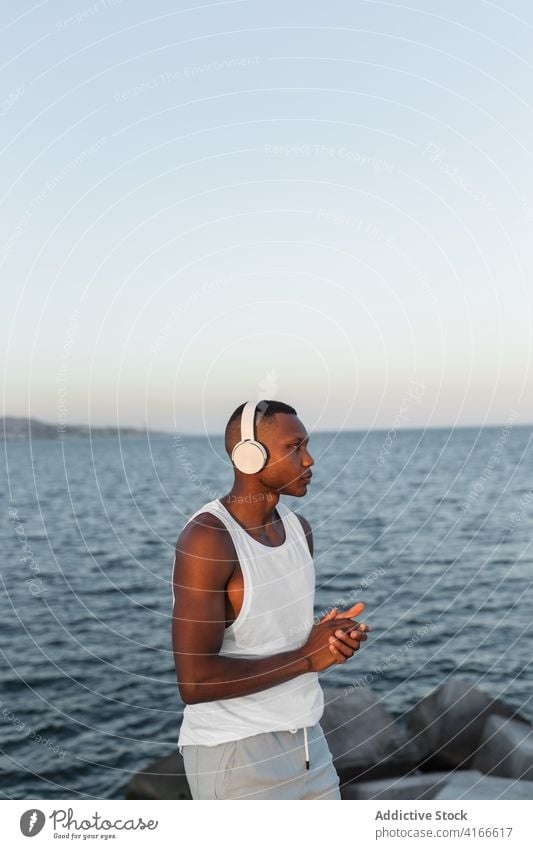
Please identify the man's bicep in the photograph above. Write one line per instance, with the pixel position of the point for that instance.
(199, 581)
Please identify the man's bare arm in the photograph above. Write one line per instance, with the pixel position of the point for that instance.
(203, 565)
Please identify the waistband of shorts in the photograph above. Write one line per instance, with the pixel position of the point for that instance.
(304, 728)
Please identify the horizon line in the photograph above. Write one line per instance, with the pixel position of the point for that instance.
(158, 431)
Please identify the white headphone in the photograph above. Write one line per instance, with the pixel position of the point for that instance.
(249, 456)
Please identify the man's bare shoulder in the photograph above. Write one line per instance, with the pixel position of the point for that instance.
(205, 520)
(206, 535)
(307, 530)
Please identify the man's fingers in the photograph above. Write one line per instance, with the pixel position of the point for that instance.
(348, 626)
(346, 639)
(345, 624)
(337, 654)
(355, 637)
(355, 634)
(331, 615)
(343, 646)
(360, 626)
(355, 610)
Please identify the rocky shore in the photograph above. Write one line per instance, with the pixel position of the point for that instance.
(457, 743)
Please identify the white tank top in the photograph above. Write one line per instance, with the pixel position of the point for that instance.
(276, 616)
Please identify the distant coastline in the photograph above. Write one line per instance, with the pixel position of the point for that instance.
(18, 429)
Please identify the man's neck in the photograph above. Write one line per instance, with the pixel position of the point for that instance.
(254, 509)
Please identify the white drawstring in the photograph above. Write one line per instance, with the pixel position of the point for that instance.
(306, 747)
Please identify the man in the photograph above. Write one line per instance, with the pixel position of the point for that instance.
(246, 651)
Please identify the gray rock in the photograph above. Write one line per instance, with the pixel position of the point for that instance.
(164, 779)
(421, 786)
(364, 738)
(472, 784)
(506, 749)
(450, 721)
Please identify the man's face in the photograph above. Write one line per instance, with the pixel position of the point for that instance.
(286, 440)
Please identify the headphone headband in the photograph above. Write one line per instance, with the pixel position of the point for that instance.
(247, 420)
(249, 456)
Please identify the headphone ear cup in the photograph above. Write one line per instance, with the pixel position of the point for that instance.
(249, 456)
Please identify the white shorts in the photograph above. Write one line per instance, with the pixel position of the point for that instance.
(271, 765)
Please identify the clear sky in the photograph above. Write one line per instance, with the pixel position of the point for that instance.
(326, 203)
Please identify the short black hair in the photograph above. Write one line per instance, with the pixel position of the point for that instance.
(264, 410)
